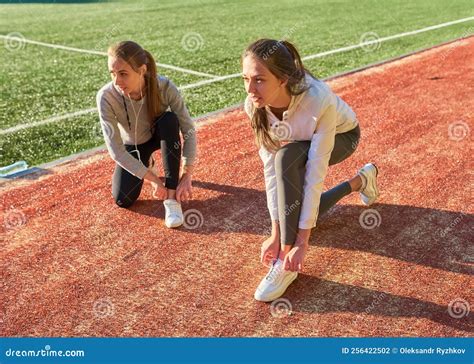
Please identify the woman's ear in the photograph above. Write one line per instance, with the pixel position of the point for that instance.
(284, 82)
(143, 69)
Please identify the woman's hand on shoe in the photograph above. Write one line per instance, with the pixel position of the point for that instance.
(160, 192)
(184, 192)
(295, 258)
(269, 250)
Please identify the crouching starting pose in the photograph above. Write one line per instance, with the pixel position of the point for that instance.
(301, 127)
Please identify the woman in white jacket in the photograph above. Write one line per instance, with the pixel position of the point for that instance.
(301, 128)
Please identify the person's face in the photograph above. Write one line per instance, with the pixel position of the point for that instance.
(124, 77)
(263, 87)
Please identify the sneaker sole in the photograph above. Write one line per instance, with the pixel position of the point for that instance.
(374, 187)
(173, 226)
(280, 292)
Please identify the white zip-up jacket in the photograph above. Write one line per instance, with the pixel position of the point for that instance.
(316, 115)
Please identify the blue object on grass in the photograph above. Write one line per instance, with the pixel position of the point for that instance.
(13, 168)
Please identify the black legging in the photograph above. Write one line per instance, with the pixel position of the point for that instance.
(125, 186)
(290, 168)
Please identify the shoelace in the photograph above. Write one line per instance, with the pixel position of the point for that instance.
(174, 209)
(274, 272)
(364, 182)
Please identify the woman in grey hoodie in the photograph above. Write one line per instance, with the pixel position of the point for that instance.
(141, 112)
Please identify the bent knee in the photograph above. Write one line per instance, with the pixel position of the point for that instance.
(288, 155)
(168, 119)
(123, 202)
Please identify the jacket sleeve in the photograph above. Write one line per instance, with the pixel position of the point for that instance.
(268, 159)
(269, 173)
(322, 144)
(186, 124)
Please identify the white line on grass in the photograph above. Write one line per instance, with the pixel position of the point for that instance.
(384, 39)
(222, 78)
(99, 53)
(340, 50)
(19, 127)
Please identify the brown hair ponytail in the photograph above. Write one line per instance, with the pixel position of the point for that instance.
(152, 87)
(283, 60)
(136, 56)
(300, 69)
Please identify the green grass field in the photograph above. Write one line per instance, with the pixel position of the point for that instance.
(38, 83)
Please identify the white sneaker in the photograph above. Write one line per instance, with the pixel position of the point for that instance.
(275, 283)
(369, 191)
(173, 213)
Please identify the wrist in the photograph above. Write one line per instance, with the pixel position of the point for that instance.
(188, 170)
(186, 177)
(150, 176)
(302, 238)
(275, 229)
(301, 243)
